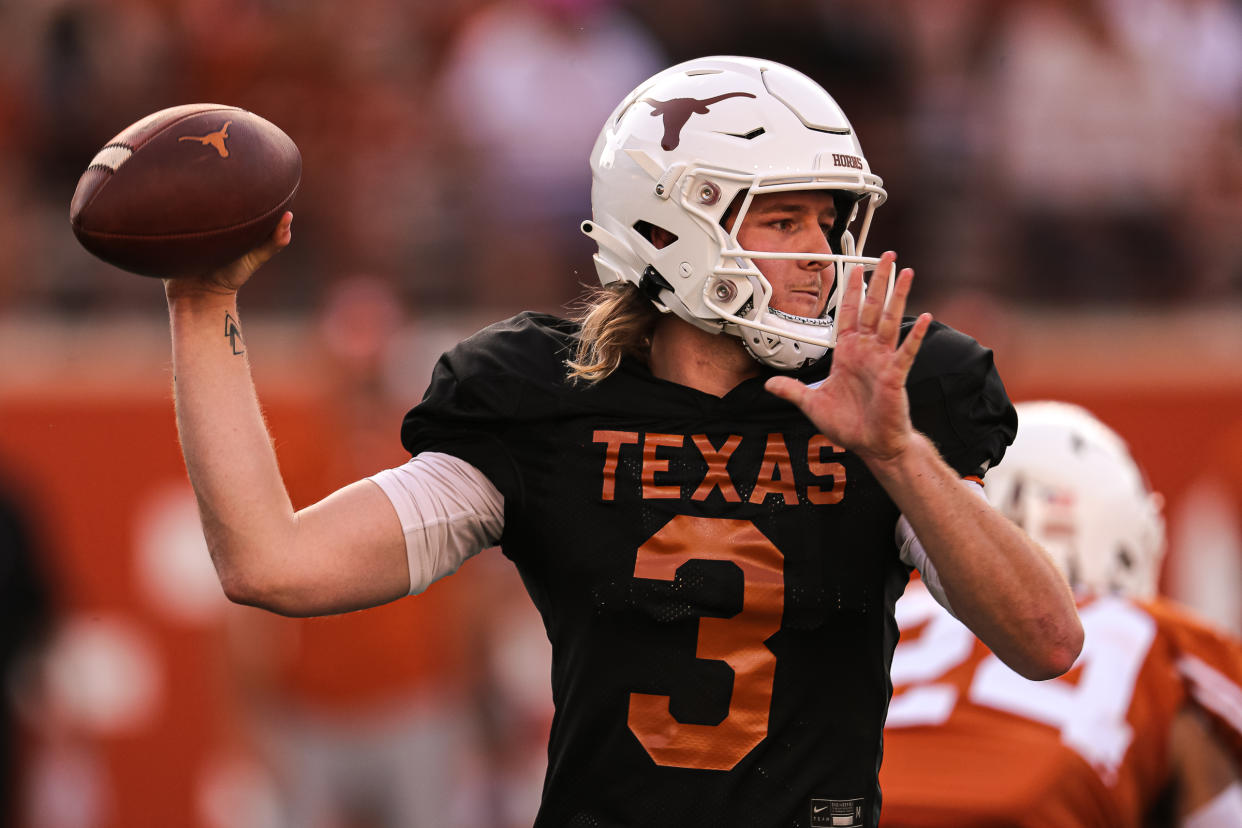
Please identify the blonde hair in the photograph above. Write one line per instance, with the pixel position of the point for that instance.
(616, 321)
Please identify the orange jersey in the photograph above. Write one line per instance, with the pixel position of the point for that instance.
(971, 743)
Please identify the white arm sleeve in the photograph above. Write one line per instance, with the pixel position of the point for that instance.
(1224, 811)
(449, 511)
(913, 554)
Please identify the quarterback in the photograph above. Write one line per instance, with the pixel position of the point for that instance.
(714, 484)
(1147, 727)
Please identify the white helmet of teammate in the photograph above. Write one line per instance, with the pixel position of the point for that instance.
(1071, 483)
(678, 151)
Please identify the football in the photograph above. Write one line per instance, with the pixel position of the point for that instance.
(185, 190)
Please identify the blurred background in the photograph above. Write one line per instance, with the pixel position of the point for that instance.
(1064, 175)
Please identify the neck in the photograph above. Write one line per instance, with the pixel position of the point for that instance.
(712, 363)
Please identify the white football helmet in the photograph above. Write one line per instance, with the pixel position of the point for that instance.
(1071, 483)
(679, 150)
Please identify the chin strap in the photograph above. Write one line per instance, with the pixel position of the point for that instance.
(652, 282)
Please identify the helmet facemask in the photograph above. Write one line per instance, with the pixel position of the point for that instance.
(772, 336)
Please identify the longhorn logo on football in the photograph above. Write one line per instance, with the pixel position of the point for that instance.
(213, 139)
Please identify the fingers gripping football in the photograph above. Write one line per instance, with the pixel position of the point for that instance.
(862, 405)
(232, 276)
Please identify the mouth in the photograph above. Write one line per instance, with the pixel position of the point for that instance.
(806, 301)
(806, 295)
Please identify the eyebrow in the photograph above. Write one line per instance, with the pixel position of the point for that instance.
(789, 207)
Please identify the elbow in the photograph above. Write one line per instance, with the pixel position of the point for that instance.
(1054, 663)
(1057, 652)
(1070, 650)
(263, 590)
(245, 588)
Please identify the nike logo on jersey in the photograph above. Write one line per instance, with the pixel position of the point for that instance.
(813, 478)
(836, 813)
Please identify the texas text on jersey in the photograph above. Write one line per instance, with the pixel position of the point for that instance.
(719, 656)
(971, 743)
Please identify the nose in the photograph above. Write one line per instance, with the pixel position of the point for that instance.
(817, 244)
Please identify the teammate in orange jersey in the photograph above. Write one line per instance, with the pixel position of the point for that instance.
(1146, 729)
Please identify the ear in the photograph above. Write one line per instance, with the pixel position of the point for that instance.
(730, 215)
(661, 238)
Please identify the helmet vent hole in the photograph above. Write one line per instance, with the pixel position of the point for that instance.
(748, 136)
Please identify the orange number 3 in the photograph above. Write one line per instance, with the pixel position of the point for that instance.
(737, 641)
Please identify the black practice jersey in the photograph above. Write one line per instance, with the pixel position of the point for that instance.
(716, 578)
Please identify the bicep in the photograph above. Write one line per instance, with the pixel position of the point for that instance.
(392, 534)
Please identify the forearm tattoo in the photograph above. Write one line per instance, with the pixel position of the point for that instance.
(233, 333)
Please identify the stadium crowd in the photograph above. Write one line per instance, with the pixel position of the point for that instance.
(1044, 153)
(1103, 136)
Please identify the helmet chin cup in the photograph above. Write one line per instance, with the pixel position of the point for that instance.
(801, 340)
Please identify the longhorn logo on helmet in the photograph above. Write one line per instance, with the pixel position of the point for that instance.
(677, 112)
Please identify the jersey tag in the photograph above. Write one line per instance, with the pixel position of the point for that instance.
(836, 813)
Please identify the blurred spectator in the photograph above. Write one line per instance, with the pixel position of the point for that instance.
(25, 616)
(522, 87)
(1205, 81)
(1206, 76)
(945, 145)
(361, 715)
(853, 48)
(1095, 138)
(1085, 195)
(1207, 535)
(512, 701)
(97, 69)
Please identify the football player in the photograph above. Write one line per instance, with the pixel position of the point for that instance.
(1147, 727)
(714, 486)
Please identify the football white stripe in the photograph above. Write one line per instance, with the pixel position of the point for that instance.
(111, 157)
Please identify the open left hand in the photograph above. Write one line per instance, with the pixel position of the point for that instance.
(862, 406)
